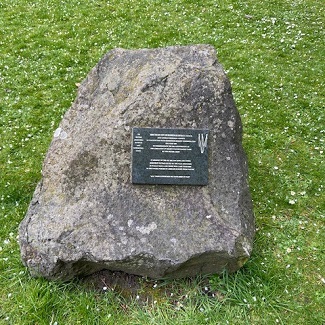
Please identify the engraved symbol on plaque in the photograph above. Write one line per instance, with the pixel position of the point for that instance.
(202, 141)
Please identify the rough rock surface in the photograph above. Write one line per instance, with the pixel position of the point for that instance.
(86, 215)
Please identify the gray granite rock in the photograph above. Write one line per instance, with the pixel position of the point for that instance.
(86, 214)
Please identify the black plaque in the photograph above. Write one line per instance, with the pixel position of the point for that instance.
(170, 156)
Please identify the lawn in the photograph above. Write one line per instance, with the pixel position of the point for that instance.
(273, 52)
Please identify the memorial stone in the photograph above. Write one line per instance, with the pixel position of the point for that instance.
(145, 174)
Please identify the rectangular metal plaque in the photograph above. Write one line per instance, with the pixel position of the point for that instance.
(170, 156)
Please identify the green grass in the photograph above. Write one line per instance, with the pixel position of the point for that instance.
(273, 52)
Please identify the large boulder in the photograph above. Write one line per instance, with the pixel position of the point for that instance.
(87, 215)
